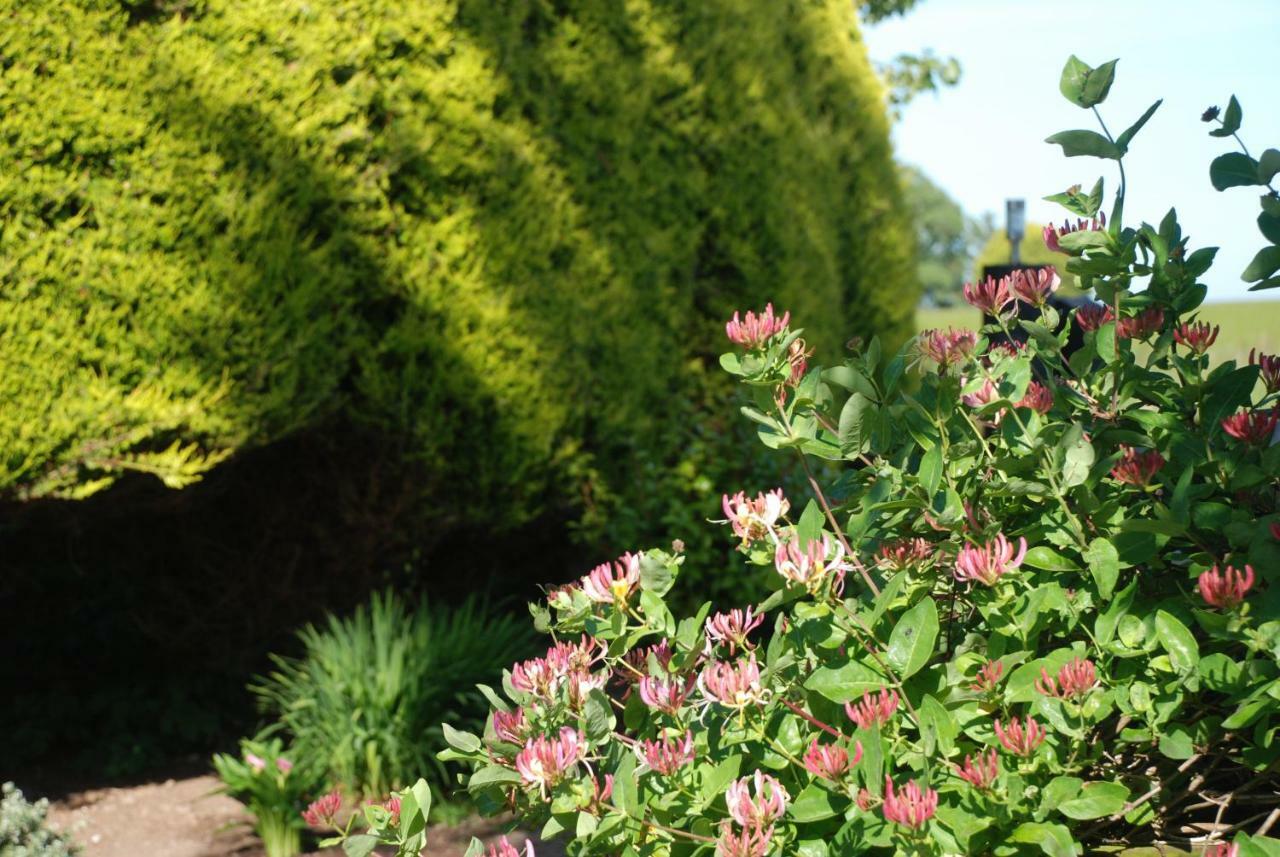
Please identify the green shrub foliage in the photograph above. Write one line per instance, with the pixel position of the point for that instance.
(364, 704)
(496, 234)
(22, 828)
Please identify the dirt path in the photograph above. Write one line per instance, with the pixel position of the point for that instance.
(187, 818)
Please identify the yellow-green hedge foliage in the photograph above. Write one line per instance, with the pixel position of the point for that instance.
(496, 231)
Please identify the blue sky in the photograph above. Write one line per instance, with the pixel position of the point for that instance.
(983, 140)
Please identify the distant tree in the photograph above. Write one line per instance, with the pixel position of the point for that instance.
(908, 75)
(947, 239)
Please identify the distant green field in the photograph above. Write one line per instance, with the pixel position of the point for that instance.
(1248, 325)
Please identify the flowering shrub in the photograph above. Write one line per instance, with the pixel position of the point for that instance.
(272, 789)
(1035, 611)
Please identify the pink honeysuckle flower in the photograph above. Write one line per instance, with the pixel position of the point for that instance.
(546, 761)
(1137, 468)
(984, 395)
(1253, 427)
(506, 849)
(831, 762)
(580, 683)
(664, 694)
(1142, 325)
(813, 565)
(754, 330)
(1008, 349)
(668, 755)
(874, 709)
(1225, 589)
(322, 811)
(638, 659)
(392, 805)
(988, 677)
(1093, 316)
(537, 677)
(948, 347)
(1035, 285)
(1020, 739)
(733, 685)
(1038, 398)
(754, 519)
(1269, 364)
(511, 726)
(601, 792)
(283, 765)
(991, 296)
(1198, 337)
(989, 562)
(732, 628)
(911, 807)
(764, 806)
(980, 770)
(901, 554)
(254, 761)
(1076, 678)
(1221, 849)
(1053, 233)
(566, 657)
(864, 800)
(613, 583)
(751, 842)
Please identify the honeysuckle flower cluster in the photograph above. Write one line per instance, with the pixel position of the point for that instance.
(504, 848)
(323, 811)
(1137, 468)
(754, 519)
(1052, 234)
(982, 633)
(987, 563)
(753, 331)
(1225, 589)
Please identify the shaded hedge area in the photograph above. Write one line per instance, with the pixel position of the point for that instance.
(393, 278)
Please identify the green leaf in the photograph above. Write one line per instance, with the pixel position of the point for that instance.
(1268, 165)
(1085, 86)
(598, 714)
(1080, 142)
(1077, 203)
(1176, 743)
(464, 741)
(626, 790)
(716, 780)
(1077, 456)
(1098, 83)
(809, 527)
(1095, 801)
(1047, 559)
(1104, 565)
(1269, 226)
(1105, 342)
(1053, 839)
(1124, 139)
(360, 845)
(813, 804)
(930, 473)
(1231, 118)
(1234, 169)
(845, 682)
(912, 640)
(1226, 393)
(490, 774)
(856, 424)
(1184, 652)
(421, 794)
(1104, 628)
(1264, 264)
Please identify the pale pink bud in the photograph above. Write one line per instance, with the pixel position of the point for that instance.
(283, 765)
(911, 807)
(1225, 589)
(874, 709)
(732, 628)
(392, 805)
(831, 762)
(322, 811)
(764, 806)
(751, 842)
(1019, 739)
(668, 755)
(989, 562)
(1076, 678)
(254, 761)
(755, 330)
(980, 770)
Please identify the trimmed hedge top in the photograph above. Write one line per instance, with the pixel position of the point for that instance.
(496, 234)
